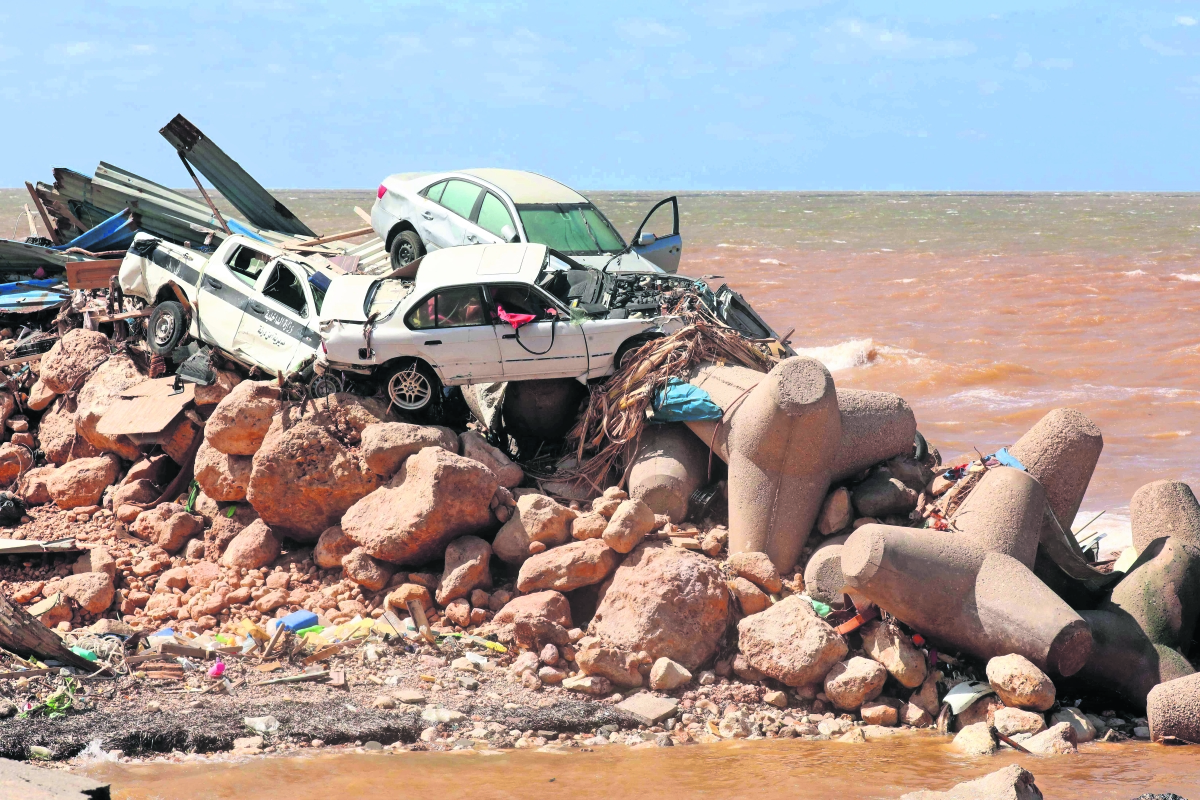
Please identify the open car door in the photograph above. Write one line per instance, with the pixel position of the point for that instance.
(735, 312)
(661, 249)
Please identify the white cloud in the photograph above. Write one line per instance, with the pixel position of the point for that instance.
(1159, 47)
(989, 87)
(731, 132)
(1187, 22)
(733, 11)
(78, 49)
(1023, 61)
(762, 54)
(1057, 63)
(650, 32)
(849, 40)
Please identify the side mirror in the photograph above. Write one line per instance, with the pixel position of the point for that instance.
(645, 238)
(508, 234)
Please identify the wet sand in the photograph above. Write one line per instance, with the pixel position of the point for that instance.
(759, 770)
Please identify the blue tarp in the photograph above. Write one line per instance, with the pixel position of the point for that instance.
(24, 297)
(682, 402)
(115, 233)
(237, 227)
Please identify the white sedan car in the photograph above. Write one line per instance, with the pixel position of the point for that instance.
(498, 312)
(416, 213)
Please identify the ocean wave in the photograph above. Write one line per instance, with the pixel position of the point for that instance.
(1115, 526)
(1187, 276)
(844, 355)
(769, 261)
(1133, 273)
(1000, 400)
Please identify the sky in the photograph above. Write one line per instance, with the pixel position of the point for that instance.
(1010, 95)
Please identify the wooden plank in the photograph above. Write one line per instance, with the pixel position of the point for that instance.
(336, 237)
(8, 362)
(146, 409)
(92, 274)
(145, 312)
(327, 652)
(158, 387)
(51, 230)
(364, 216)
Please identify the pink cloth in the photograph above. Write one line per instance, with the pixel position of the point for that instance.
(516, 320)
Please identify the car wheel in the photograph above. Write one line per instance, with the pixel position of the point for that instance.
(629, 346)
(406, 248)
(411, 386)
(166, 327)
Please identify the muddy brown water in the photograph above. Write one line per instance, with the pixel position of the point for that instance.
(761, 770)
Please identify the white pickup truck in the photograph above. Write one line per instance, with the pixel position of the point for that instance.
(256, 303)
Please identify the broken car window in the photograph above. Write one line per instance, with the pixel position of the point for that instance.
(567, 229)
(493, 216)
(460, 307)
(248, 264)
(460, 197)
(285, 288)
(520, 300)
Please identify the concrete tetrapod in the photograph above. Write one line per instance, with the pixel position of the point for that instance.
(1003, 514)
(1151, 614)
(1173, 709)
(671, 463)
(783, 439)
(956, 593)
(1164, 508)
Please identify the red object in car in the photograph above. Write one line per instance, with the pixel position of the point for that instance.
(380, 192)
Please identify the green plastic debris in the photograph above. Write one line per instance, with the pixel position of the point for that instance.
(40, 753)
(819, 607)
(194, 492)
(82, 653)
(310, 629)
(229, 512)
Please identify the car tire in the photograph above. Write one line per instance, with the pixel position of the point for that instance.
(166, 327)
(411, 386)
(406, 248)
(631, 344)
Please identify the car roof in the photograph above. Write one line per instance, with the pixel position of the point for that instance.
(527, 187)
(481, 263)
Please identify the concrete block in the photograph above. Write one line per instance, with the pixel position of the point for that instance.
(671, 463)
(1164, 508)
(1174, 709)
(1061, 452)
(1003, 514)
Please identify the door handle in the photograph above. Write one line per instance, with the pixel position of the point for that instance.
(427, 215)
(433, 341)
(258, 308)
(472, 237)
(509, 336)
(215, 284)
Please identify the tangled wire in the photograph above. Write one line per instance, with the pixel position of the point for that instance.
(612, 424)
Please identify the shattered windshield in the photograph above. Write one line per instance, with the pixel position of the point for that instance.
(574, 229)
(385, 294)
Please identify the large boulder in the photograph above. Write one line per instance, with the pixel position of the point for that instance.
(1020, 684)
(57, 437)
(466, 569)
(667, 601)
(434, 498)
(568, 567)
(92, 591)
(97, 396)
(538, 519)
(255, 547)
(72, 357)
(167, 525)
(303, 478)
(790, 642)
(82, 482)
(851, 683)
(223, 477)
(242, 419)
(475, 446)
(217, 391)
(1173, 709)
(1011, 721)
(385, 445)
(332, 547)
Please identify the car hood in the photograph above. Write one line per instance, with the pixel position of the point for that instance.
(626, 262)
(346, 298)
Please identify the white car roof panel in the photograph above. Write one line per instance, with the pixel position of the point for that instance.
(527, 187)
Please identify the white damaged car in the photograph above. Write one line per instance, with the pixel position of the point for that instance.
(498, 312)
(416, 213)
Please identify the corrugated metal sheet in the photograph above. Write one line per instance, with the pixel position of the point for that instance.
(115, 233)
(27, 297)
(28, 257)
(247, 195)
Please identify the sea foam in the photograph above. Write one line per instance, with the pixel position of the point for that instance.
(844, 355)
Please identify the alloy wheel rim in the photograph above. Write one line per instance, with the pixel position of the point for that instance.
(409, 389)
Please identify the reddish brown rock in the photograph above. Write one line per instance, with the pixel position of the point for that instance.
(1020, 683)
(224, 528)
(217, 391)
(434, 498)
(175, 578)
(135, 493)
(92, 591)
(304, 479)
(71, 358)
(332, 547)
(568, 567)
(550, 605)
(398, 599)
(223, 477)
(367, 572)
(629, 525)
(210, 603)
(588, 526)
(97, 559)
(790, 642)
(619, 666)
(666, 601)
(749, 597)
(242, 419)
(33, 488)
(81, 482)
(57, 437)
(167, 525)
(758, 569)
(162, 606)
(178, 438)
(385, 445)
(255, 546)
(538, 519)
(851, 683)
(40, 396)
(474, 446)
(14, 459)
(101, 389)
(203, 574)
(271, 601)
(466, 569)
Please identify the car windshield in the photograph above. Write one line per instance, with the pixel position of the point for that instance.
(574, 229)
(385, 294)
